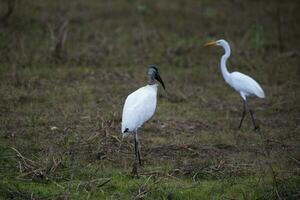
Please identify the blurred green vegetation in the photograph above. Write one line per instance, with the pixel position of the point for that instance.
(66, 68)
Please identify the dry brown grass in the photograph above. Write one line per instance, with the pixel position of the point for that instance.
(63, 112)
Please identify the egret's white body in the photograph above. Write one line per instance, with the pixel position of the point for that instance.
(139, 107)
(242, 83)
(245, 85)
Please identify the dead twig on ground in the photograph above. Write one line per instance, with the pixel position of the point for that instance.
(34, 169)
(145, 188)
(94, 182)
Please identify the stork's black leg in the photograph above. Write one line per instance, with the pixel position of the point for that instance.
(253, 120)
(243, 113)
(137, 150)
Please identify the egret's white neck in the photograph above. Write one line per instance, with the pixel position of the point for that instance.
(224, 58)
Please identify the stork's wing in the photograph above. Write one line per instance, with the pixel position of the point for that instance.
(138, 108)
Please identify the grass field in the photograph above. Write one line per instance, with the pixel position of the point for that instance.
(66, 68)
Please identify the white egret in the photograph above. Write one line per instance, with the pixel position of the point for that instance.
(243, 84)
(140, 107)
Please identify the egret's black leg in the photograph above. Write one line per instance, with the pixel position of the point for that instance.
(139, 157)
(243, 113)
(137, 150)
(253, 120)
(135, 147)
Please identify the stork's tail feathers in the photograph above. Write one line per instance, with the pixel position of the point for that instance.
(126, 130)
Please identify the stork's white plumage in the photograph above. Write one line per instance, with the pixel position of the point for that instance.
(243, 84)
(140, 106)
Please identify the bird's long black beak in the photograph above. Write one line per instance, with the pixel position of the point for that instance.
(157, 77)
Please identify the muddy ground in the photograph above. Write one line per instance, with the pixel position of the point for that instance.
(67, 67)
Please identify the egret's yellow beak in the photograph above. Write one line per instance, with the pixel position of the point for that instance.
(210, 44)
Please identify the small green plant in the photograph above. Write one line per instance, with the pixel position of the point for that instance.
(257, 37)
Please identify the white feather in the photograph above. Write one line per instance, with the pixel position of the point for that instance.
(242, 83)
(139, 107)
(245, 84)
